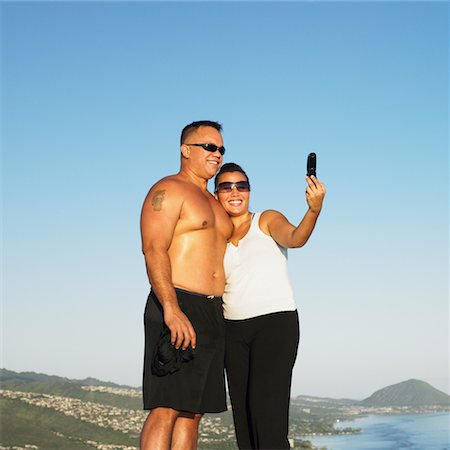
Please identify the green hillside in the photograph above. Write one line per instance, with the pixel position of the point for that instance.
(413, 393)
(52, 385)
(23, 424)
(58, 413)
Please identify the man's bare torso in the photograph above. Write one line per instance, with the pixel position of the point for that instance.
(199, 239)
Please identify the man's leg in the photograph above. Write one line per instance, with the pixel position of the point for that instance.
(185, 432)
(158, 428)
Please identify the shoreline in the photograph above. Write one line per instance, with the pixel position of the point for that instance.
(385, 431)
(348, 430)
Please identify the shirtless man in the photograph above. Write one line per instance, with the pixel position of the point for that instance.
(184, 235)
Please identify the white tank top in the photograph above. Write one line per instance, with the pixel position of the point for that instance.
(256, 274)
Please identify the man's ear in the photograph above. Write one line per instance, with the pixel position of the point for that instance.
(185, 151)
(216, 196)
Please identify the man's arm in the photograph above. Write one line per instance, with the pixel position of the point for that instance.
(160, 214)
(290, 236)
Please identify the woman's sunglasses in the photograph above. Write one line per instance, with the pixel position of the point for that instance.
(227, 186)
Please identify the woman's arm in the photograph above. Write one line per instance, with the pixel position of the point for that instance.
(282, 231)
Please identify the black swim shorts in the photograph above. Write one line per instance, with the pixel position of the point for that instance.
(199, 385)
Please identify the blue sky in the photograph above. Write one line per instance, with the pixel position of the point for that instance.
(94, 98)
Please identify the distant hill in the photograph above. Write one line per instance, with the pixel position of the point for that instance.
(411, 393)
(8, 377)
(407, 393)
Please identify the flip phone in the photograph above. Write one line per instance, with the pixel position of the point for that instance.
(311, 165)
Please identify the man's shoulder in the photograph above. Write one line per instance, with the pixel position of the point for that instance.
(174, 187)
(172, 182)
(168, 191)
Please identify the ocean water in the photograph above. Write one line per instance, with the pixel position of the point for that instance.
(392, 432)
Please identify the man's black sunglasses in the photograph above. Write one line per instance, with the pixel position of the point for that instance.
(210, 148)
(227, 186)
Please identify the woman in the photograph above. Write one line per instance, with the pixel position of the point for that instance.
(262, 331)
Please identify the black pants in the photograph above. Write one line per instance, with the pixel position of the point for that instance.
(259, 356)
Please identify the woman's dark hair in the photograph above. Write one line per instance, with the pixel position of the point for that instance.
(229, 167)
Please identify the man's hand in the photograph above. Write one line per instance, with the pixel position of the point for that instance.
(315, 193)
(182, 332)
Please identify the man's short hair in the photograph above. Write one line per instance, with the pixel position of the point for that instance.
(229, 167)
(188, 129)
